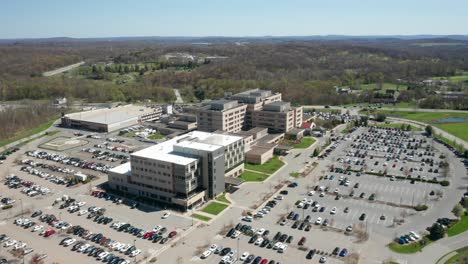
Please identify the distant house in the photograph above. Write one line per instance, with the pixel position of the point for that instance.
(342, 90)
(60, 101)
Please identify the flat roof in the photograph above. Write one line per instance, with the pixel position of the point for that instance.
(122, 169)
(111, 115)
(195, 139)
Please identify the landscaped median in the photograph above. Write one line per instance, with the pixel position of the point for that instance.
(258, 173)
(456, 257)
(222, 198)
(460, 227)
(201, 217)
(214, 208)
(410, 248)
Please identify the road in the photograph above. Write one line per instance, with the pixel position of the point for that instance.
(179, 99)
(356, 109)
(63, 69)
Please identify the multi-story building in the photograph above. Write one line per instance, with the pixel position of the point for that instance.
(278, 117)
(182, 171)
(255, 100)
(225, 115)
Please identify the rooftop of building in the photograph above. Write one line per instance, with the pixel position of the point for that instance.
(195, 139)
(111, 115)
(123, 169)
(222, 105)
(277, 106)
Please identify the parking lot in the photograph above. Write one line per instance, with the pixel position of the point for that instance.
(43, 176)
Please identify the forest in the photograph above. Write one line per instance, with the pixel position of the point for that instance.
(304, 71)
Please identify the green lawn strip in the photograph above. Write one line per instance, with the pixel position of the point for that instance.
(294, 174)
(250, 176)
(223, 199)
(156, 136)
(459, 227)
(214, 208)
(27, 133)
(201, 217)
(457, 129)
(450, 142)
(305, 143)
(129, 134)
(268, 167)
(458, 258)
(398, 125)
(409, 248)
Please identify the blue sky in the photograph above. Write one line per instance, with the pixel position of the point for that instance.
(112, 18)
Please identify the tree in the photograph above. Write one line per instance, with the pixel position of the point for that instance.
(428, 130)
(316, 152)
(458, 210)
(408, 127)
(380, 117)
(436, 231)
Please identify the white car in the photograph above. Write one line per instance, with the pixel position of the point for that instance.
(322, 194)
(82, 212)
(278, 197)
(37, 228)
(310, 202)
(157, 228)
(10, 243)
(206, 254)
(414, 234)
(260, 231)
(103, 255)
(125, 248)
(349, 229)
(19, 221)
(323, 259)
(300, 205)
(213, 247)
(80, 204)
(333, 211)
(68, 242)
(259, 241)
(311, 193)
(165, 215)
(236, 234)
(135, 253)
(282, 248)
(318, 221)
(277, 245)
(20, 245)
(244, 256)
(83, 247)
(247, 218)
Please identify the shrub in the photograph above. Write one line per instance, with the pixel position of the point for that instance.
(445, 183)
(8, 206)
(420, 207)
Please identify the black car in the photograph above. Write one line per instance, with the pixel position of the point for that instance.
(310, 254)
(37, 213)
(289, 240)
(249, 259)
(283, 238)
(295, 225)
(252, 239)
(225, 251)
(362, 217)
(257, 260)
(284, 192)
(336, 251)
(229, 234)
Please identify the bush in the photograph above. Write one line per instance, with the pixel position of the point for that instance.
(8, 206)
(445, 183)
(420, 207)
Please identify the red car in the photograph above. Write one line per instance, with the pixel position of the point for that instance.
(264, 261)
(49, 233)
(95, 193)
(302, 241)
(148, 234)
(172, 234)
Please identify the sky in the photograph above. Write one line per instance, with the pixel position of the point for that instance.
(117, 18)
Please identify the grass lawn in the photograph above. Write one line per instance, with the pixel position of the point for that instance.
(27, 133)
(214, 208)
(223, 199)
(305, 143)
(294, 174)
(156, 136)
(129, 134)
(385, 86)
(398, 125)
(408, 248)
(269, 167)
(459, 258)
(201, 217)
(457, 129)
(250, 176)
(459, 227)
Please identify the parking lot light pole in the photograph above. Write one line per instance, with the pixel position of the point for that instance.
(22, 212)
(238, 239)
(134, 244)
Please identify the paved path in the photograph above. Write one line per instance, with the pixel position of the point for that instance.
(63, 69)
(179, 99)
